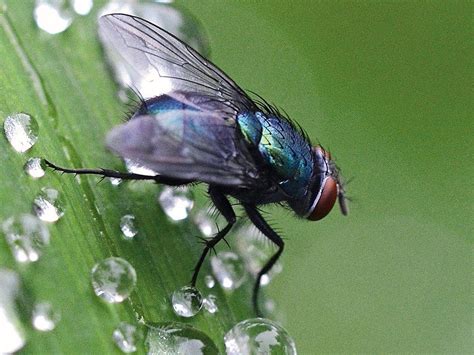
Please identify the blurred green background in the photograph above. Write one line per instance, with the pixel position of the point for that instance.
(386, 86)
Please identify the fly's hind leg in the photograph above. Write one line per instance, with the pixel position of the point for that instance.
(223, 205)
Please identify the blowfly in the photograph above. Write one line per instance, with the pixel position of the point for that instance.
(206, 129)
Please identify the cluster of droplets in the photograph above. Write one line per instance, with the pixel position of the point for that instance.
(56, 16)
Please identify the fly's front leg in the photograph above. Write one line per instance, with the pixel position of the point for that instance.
(263, 226)
(223, 205)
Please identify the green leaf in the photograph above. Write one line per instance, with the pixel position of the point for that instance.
(63, 82)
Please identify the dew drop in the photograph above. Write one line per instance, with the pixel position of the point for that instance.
(172, 18)
(178, 339)
(113, 279)
(126, 336)
(176, 202)
(27, 236)
(34, 167)
(187, 301)
(136, 168)
(228, 269)
(209, 281)
(12, 333)
(53, 16)
(82, 7)
(44, 317)
(205, 223)
(128, 227)
(258, 336)
(21, 131)
(115, 181)
(210, 303)
(48, 206)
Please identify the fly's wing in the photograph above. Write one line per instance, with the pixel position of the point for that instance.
(187, 144)
(165, 64)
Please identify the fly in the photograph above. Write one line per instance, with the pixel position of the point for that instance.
(207, 129)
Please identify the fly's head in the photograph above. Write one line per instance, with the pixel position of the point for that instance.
(326, 186)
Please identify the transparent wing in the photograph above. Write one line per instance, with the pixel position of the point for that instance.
(163, 63)
(187, 144)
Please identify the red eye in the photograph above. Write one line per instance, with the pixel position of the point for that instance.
(325, 201)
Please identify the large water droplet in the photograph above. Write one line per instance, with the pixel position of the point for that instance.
(44, 317)
(113, 279)
(126, 336)
(35, 167)
(258, 336)
(82, 7)
(228, 269)
(187, 301)
(176, 202)
(178, 339)
(172, 18)
(27, 236)
(21, 131)
(128, 227)
(12, 334)
(256, 251)
(53, 16)
(48, 206)
(210, 303)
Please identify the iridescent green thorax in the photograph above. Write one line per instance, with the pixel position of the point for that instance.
(283, 148)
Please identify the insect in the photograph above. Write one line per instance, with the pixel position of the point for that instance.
(207, 129)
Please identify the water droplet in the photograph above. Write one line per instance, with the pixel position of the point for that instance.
(12, 333)
(48, 206)
(113, 279)
(136, 168)
(205, 223)
(258, 336)
(256, 251)
(126, 336)
(21, 131)
(178, 339)
(82, 7)
(228, 269)
(53, 16)
(115, 181)
(187, 301)
(168, 16)
(176, 202)
(209, 281)
(35, 167)
(44, 317)
(27, 236)
(127, 225)
(209, 303)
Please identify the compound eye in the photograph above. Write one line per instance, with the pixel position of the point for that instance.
(327, 198)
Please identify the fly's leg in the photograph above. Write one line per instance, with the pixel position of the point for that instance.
(223, 205)
(263, 226)
(120, 175)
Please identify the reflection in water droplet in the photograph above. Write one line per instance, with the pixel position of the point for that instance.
(209, 281)
(258, 336)
(82, 7)
(187, 301)
(12, 333)
(21, 131)
(47, 205)
(27, 236)
(176, 202)
(172, 18)
(127, 225)
(256, 251)
(228, 269)
(126, 336)
(210, 303)
(53, 16)
(136, 168)
(35, 167)
(113, 279)
(178, 339)
(44, 317)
